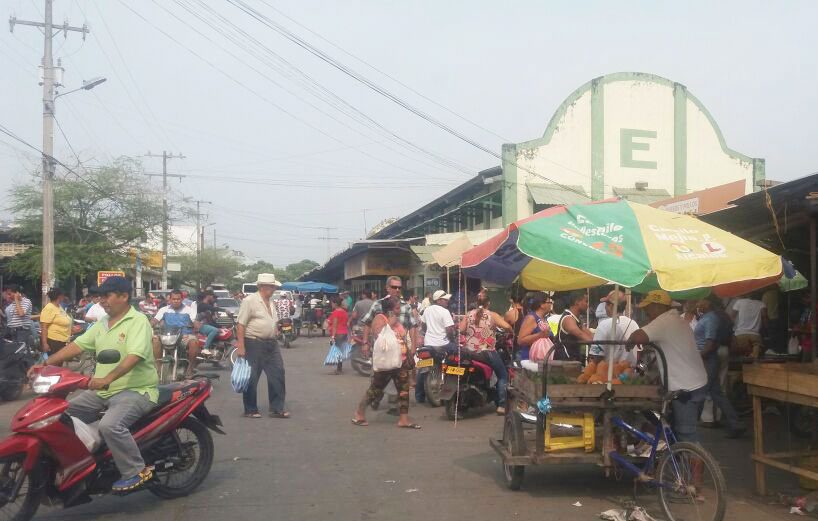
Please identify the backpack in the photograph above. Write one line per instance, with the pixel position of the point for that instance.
(386, 352)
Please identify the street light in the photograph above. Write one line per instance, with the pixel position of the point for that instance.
(86, 85)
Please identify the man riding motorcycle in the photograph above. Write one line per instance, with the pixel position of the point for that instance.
(177, 314)
(126, 387)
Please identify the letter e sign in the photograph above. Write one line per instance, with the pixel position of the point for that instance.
(627, 145)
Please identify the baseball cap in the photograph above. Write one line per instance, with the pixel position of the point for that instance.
(440, 294)
(115, 285)
(656, 296)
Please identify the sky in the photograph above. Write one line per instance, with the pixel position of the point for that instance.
(289, 149)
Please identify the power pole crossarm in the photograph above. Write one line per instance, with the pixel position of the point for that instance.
(165, 222)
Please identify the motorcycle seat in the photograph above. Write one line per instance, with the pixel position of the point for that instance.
(176, 391)
(484, 367)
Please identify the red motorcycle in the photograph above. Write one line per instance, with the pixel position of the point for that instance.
(46, 461)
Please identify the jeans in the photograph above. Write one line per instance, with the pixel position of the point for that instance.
(420, 380)
(494, 359)
(264, 355)
(711, 412)
(211, 332)
(686, 415)
(712, 365)
(121, 411)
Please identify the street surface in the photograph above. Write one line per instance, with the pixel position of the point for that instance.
(318, 466)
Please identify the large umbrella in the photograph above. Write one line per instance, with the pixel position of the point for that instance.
(624, 243)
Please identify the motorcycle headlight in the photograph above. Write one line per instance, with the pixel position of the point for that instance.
(169, 339)
(42, 384)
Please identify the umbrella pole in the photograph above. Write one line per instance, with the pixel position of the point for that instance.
(613, 334)
(448, 281)
(812, 288)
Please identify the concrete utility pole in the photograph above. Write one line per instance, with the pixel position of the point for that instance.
(327, 238)
(49, 83)
(165, 222)
(199, 238)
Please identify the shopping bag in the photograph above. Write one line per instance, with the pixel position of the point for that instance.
(347, 350)
(240, 377)
(334, 356)
(539, 350)
(386, 353)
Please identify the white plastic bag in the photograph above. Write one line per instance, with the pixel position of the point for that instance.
(240, 378)
(88, 434)
(386, 353)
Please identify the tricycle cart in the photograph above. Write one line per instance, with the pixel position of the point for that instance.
(678, 474)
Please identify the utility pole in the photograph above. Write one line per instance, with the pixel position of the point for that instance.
(165, 222)
(199, 239)
(366, 230)
(327, 238)
(214, 239)
(49, 83)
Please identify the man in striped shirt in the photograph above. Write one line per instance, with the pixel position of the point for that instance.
(18, 315)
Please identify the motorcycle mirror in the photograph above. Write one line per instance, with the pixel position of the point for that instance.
(108, 356)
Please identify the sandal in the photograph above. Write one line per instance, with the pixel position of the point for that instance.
(360, 423)
(413, 426)
(252, 415)
(283, 414)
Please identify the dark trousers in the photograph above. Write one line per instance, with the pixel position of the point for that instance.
(264, 355)
(711, 365)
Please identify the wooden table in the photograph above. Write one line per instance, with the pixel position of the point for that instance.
(788, 383)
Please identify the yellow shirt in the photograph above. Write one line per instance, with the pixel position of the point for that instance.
(59, 323)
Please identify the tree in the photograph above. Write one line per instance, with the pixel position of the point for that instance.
(97, 215)
(289, 273)
(219, 265)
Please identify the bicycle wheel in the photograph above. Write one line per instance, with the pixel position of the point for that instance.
(691, 485)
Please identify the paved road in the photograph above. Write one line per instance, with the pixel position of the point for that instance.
(318, 466)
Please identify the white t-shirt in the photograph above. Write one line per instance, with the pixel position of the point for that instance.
(601, 312)
(625, 326)
(675, 338)
(94, 313)
(748, 316)
(188, 310)
(437, 319)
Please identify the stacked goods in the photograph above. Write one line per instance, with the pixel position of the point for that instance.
(597, 373)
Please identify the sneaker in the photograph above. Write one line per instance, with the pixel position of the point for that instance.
(134, 482)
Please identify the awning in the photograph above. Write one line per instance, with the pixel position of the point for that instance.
(445, 249)
(552, 194)
(449, 255)
(424, 252)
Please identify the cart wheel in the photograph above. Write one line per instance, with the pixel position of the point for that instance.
(514, 442)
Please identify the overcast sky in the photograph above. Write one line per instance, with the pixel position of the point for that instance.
(280, 158)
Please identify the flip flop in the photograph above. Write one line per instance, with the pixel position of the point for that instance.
(284, 415)
(414, 426)
(252, 415)
(360, 423)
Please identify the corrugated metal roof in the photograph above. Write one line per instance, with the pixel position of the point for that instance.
(643, 196)
(549, 193)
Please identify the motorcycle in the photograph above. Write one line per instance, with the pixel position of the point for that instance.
(16, 358)
(52, 458)
(286, 332)
(360, 363)
(221, 348)
(174, 360)
(470, 382)
(430, 362)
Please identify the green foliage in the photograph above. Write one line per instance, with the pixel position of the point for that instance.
(96, 218)
(219, 265)
(287, 274)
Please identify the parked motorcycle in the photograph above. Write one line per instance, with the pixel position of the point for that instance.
(45, 460)
(174, 361)
(16, 358)
(286, 332)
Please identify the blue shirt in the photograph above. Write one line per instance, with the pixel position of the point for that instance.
(706, 329)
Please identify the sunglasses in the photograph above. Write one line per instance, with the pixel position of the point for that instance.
(396, 287)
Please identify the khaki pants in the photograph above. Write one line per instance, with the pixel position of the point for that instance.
(749, 344)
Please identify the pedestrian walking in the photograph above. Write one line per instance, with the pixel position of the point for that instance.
(55, 324)
(389, 316)
(256, 327)
(338, 334)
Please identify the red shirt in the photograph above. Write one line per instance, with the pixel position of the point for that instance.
(341, 317)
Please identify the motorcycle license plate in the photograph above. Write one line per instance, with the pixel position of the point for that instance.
(429, 362)
(287, 328)
(459, 371)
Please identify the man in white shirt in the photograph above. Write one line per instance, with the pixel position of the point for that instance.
(686, 370)
(624, 328)
(94, 313)
(438, 329)
(749, 316)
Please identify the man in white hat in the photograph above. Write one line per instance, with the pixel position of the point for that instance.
(438, 329)
(256, 327)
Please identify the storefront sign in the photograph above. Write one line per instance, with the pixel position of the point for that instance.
(103, 275)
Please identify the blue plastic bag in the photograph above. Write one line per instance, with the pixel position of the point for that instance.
(240, 377)
(334, 356)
